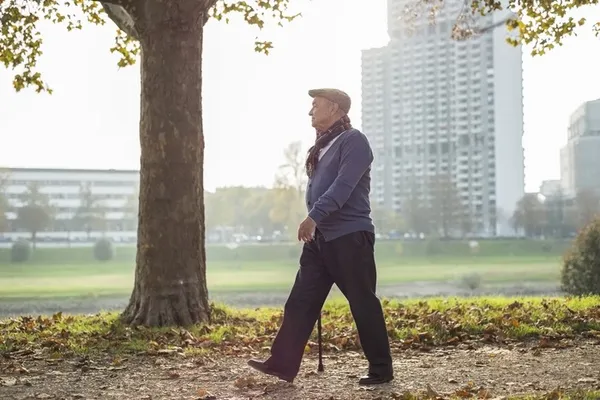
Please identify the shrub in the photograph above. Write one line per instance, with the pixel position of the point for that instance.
(293, 252)
(581, 266)
(104, 250)
(399, 249)
(20, 251)
(433, 247)
(471, 281)
(547, 247)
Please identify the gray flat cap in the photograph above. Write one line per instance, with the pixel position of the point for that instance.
(336, 96)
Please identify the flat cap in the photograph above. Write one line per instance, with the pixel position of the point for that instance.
(337, 96)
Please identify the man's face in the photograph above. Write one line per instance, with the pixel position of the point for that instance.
(321, 113)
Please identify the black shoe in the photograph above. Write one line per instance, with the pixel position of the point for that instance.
(375, 379)
(265, 369)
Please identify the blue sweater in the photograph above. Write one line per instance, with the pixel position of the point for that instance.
(337, 196)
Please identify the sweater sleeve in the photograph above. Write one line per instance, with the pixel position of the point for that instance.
(355, 158)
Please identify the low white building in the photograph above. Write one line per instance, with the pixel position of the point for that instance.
(550, 188)
(114, 194)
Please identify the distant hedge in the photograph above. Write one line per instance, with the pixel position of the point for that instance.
(385, 250)
(104, 250)
(20, 251)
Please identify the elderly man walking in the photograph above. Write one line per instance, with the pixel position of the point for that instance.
(339, 239)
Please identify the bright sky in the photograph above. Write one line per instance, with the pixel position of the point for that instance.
(254, 105)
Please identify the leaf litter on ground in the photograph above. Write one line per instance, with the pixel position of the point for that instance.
(436, 342)
(420, 325)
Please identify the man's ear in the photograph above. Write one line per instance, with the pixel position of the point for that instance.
(334, 108)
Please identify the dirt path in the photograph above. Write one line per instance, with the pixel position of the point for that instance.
(483, 371)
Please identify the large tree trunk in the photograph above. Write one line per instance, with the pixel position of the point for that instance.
(170, 275)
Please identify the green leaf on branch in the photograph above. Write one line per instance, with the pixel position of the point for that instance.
(21, 40)
(127, 47)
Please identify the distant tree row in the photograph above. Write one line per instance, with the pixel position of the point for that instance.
(556, 215)
(433, 207)
(254, 211)
(259, 211)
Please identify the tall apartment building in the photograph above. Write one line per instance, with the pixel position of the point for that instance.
(432, 106)
(579, 158)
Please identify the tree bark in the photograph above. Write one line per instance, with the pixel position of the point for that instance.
(170, 275)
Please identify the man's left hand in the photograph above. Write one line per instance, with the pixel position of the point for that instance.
(306, 230)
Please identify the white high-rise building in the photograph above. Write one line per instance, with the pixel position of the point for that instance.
(432, 105)
(579, 158)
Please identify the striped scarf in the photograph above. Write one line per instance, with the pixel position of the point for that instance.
(322, 140)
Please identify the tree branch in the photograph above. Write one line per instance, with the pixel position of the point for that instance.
(119, 15)
(466, 25)
(209, 5)
(494, 25)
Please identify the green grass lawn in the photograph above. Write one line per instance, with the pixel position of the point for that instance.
(62, 272)
(116, 277)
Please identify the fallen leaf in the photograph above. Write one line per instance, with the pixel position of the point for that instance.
(203, 394)
(167, 351)
(118, 361)
(247, 382)
(432, 394)
(366, 388)
(462, 393)
(173, 375)
(586, 380)
(556, 394)
(8, 382)
(111, 368)
(22, 370)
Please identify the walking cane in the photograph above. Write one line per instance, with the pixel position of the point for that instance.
(320, 368)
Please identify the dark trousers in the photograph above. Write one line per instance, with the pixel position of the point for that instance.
(349, 262)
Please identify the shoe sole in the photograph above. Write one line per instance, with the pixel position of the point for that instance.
(272, 373)
(376, 383)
